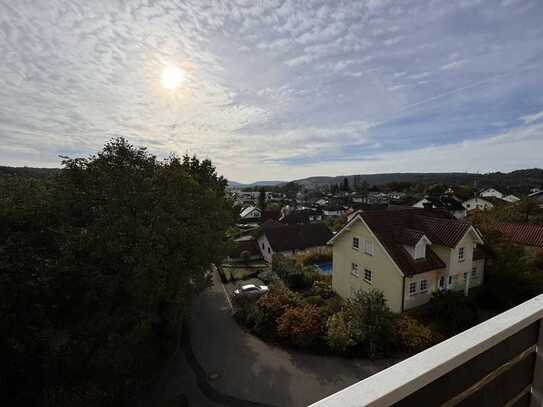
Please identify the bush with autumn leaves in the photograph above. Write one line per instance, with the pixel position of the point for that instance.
(362, 326)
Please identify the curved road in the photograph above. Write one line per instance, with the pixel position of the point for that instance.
(251, 369)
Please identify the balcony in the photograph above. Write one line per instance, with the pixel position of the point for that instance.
(496, 363)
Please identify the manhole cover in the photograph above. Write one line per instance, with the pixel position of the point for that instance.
(214, 376)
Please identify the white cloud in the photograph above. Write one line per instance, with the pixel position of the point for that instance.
(531, 118)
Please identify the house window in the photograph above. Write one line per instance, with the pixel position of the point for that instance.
(354, 270)
(423, 285)
(412, 288)
(450, 281)
(461, 254)
(269, 251)
(465, 277)
(367, 275)
(474, 272)
(441, 282)
(356, 243)
(368, 247)
(262, 246)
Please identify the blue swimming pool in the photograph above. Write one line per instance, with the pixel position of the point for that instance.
(324, 268)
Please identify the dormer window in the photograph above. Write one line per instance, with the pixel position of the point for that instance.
(420, 250)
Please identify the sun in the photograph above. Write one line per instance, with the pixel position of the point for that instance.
(172, 77)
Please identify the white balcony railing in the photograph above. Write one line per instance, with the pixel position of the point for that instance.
(496, 363)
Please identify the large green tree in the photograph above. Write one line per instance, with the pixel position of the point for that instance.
(97, 270)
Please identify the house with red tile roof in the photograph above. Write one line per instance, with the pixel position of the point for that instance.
(524, 234)
(407, 254)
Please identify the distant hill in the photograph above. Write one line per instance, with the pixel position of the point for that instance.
(234, 184)
(519, 181)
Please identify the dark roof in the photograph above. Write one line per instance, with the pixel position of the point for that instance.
(526, 234)
(445, 202)
(240, 246)
(301, 216)
(387, 225)
(408, 236)
(444, 232)
(297, 237)
(270, 214)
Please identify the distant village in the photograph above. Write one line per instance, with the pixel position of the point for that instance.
(421, 229)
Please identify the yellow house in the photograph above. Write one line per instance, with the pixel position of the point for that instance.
(407, 254)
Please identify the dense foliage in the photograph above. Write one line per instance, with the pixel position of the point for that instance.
(300, 325)
(97, 268)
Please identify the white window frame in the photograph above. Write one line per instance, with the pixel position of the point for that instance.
(465, 277)
(357, 245)
(423, 285)
(366, 273)
(355, 269)
(461, 257)
(368, 247)
(412, 288)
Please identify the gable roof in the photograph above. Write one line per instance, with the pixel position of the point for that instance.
(526, 234)
(445, 202)
(409, 237)
(296, 237)
(394, 228)
(248, 210)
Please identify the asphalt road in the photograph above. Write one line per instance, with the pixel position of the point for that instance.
(243, 366)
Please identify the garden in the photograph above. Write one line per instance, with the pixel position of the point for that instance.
(302, 311)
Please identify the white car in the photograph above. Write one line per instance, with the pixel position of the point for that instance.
(251, 290)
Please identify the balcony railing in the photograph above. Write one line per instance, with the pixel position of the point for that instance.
(496, 363)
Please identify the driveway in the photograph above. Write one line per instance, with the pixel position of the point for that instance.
(243, 366)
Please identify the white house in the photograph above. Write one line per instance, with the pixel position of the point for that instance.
(511, 198)
(408, 254)
(491, 192)
(251, 212)
(478, 203)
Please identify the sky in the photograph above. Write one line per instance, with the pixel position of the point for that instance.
(279, 89)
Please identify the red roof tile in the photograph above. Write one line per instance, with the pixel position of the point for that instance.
(526, 234)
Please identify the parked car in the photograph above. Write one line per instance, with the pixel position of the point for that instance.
(250, 290)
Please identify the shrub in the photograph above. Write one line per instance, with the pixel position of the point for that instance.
(323, 289)
(269, 308)
(451, 311)
(314, 299)
(300, 325)
(284, 266)
(338, 333)
(268, 277)
(412, 335)
(372, 321)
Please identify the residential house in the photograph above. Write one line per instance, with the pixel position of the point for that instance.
(274, 237)
(491, 192)
(244, 248)
(407, 254)
(302, 216)
(446, 202)
(511, 198)
(250, 212)
(537, 197)
(524, 234)
(484, 204)
(333, 211)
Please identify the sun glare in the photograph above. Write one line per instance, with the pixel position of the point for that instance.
(172, 77)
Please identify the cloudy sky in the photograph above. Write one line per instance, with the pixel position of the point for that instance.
(277, 89)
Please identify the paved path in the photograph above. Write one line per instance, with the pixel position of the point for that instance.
(251, 369)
